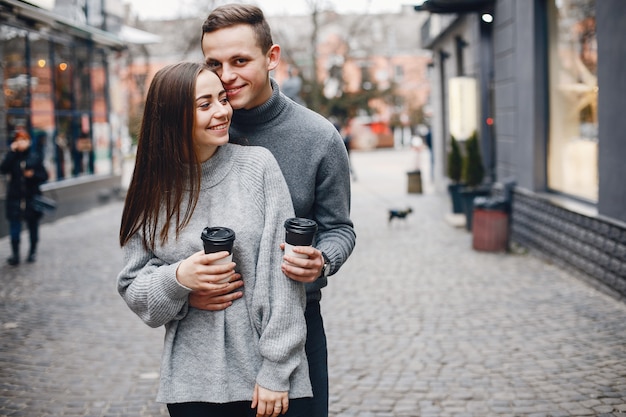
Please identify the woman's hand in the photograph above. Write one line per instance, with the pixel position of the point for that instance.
(269, 403)
(20, 145)
(198, 273)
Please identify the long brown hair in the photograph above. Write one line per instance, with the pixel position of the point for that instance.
(235, 14)
(165, 167)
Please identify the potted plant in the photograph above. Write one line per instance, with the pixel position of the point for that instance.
(473, 174)
(455, 172)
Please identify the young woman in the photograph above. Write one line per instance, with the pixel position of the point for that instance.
(188, 177)
(24, 166)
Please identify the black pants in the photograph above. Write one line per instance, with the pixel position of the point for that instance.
(297, 408)
(235, 409)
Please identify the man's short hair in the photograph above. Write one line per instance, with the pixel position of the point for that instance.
(236, 14)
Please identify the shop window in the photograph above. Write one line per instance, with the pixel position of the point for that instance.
(15, 79)
(101, 135)
(573, 136)
(42, 97)
(98, 86)
(56, 87)
(67, 127)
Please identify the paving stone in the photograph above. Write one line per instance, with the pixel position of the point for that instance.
(418, 323)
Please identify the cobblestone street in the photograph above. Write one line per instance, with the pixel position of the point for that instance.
(418, 323)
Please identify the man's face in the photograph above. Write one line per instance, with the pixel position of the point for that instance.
(233, 53)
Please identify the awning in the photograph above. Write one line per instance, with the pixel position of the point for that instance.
(24, 11)
(454, 6)
(138, 36)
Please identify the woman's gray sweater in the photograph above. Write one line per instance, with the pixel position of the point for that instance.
(218, 356)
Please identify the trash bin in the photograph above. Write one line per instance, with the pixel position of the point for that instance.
(414, 182)
(490, 228)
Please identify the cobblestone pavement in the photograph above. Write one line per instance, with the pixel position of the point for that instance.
(418, 323)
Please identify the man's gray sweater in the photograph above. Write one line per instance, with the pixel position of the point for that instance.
(218, 356)
(314, 161)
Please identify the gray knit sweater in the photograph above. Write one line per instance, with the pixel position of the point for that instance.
(217, 356)
(314, 161)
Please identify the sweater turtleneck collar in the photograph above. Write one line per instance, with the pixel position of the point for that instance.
(215, 169)
(263, 113)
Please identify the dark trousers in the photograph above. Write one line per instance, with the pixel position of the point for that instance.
(234, 409)
(15, 229)
(317, 355)
(297, 408)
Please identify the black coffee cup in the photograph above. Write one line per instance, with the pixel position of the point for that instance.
(217, 239)
(299, 232)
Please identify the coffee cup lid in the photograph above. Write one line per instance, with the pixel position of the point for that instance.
(218, 234)
(300, 225)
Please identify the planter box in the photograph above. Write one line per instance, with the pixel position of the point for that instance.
(455, 197)
(414, 185)
(490, 231)
(467, 196)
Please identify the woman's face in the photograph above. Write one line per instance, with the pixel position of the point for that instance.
(212, 117)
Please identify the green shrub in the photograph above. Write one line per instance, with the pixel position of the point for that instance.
(473, 169)
(455, 161)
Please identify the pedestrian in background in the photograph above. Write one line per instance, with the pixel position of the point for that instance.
(346, 134)
(26, 173)
(237, 44)
(188, 177)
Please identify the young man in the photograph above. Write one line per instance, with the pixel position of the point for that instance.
(237, 44)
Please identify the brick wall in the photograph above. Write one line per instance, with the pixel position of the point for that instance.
(593, 246)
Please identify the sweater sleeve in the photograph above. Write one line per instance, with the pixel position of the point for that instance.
(279, 302)
(149, 286)
(7, 162)
(336, 236)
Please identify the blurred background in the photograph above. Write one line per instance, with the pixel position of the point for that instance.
(522, 79)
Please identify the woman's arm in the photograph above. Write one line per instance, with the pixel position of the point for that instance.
(279, 302)
(149, 286)
(157, 291)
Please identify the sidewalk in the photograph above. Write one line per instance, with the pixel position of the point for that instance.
(418, 323)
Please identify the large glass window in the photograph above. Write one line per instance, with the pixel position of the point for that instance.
(101, 135)
(56, 87)
(573, 138)
(66, 125)
(42, 102)
(15, 79)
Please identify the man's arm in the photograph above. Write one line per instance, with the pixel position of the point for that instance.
(336, 237)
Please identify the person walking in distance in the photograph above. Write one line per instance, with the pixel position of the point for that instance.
(237, 44)
(25, 167)
(188, 179)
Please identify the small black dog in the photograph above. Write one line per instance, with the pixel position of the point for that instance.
(399, 214)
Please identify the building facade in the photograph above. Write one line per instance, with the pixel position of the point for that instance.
(63, 72)
(549, 89)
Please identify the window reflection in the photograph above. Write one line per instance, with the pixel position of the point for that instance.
(55, 88)
(573, 140)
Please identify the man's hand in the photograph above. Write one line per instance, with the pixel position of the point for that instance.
(218, 299)
(300, 269)
(211, 285)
